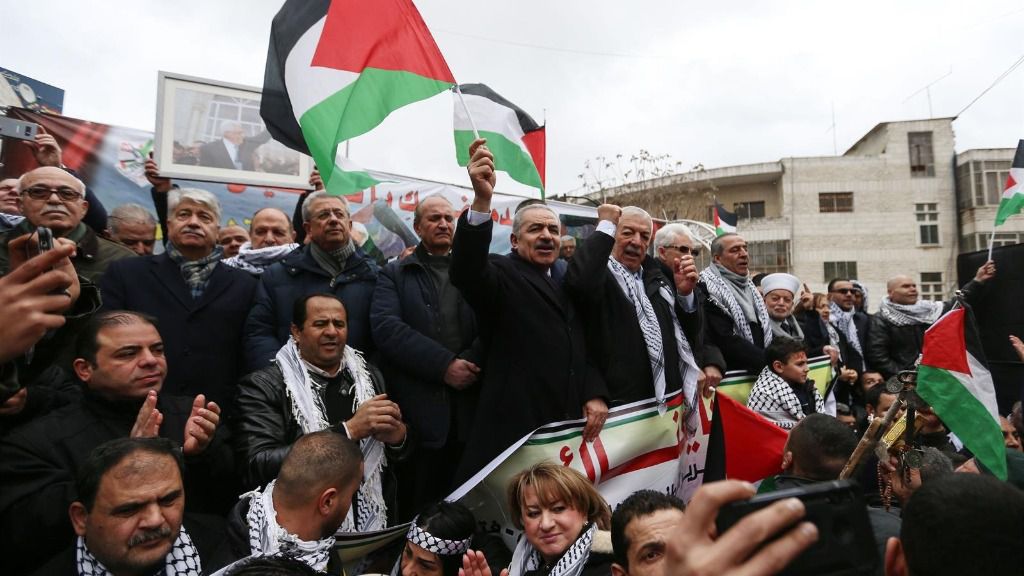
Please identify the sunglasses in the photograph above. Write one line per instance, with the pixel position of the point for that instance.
(684, 250)
(845, 291)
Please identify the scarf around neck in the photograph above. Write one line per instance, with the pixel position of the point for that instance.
(526, 558)
(254, 261)
(182, 560)
(774, 398)
(268, 538)
(195, 272)
(924, 312)
(725, 293)
(333, 262)
(307, 407)
(843, 321)
(779, 328)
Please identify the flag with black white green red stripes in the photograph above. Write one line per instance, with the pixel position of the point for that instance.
(514, 138)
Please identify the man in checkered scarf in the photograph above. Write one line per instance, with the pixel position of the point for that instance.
(129, 512)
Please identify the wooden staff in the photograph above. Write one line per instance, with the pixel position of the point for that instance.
(870, 438)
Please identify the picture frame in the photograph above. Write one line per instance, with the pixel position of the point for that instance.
(212, 131)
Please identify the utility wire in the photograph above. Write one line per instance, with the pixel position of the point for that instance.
(993, 84)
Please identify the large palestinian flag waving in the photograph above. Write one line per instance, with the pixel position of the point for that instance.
(515, 139)
(955, 381)
(337, 68)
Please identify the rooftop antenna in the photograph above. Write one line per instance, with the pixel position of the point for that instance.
(832, 128)
(927, 89)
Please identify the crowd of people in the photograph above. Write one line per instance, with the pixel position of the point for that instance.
(235, 401)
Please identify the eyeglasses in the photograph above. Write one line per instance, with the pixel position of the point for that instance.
(65, 193)
(684, 250)
(844, 291)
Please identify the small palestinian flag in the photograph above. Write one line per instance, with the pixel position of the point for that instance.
(1013, 196)
(516, 141)
(743, 445)
(337, 68)
(725, 221)
(954, 380)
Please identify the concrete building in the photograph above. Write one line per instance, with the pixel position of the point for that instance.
(887, 206)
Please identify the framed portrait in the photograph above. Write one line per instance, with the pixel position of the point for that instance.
(212, 131)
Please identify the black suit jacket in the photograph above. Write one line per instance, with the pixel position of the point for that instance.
(615, 342)
(202, 339)
(535, 367)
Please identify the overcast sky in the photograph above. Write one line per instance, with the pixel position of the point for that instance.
(714, 83)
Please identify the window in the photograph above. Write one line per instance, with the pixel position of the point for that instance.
(928, 223)
(835, 202)
(230, 109)
(931, 286)
(840, 270)
(769, 256)
(922, 158)
(748, 210)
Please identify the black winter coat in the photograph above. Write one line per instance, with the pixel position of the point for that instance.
(536, 369)
(894, 348)
(406, 321)
(298, 274)
(615, 343)
(202, 338)
(737, 352)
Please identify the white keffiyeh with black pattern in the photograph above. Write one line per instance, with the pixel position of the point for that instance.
(182, 560)
(527, 558)
(721, 294)
(369, 512)
(268, 538)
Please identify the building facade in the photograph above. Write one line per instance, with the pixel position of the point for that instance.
(899, 201)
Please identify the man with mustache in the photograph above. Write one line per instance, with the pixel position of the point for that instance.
(317, 382)
(51, 197)
(738, 320)
(129, 516)
(201, 303)
(641, 319)
(330, 263)
(426, 334)
(536, 369)
(121, 366)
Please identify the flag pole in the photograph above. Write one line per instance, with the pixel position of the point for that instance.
(476, 134)
(991, 243)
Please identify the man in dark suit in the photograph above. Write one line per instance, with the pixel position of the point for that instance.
(426, 336)
(535, 368)
(641, 317)
(234, 151)
(201, 304)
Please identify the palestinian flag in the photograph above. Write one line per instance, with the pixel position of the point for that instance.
(725, 221)
(954, 380)
(337, 68)
(515, 139)
(1013, 196)
(743, 445)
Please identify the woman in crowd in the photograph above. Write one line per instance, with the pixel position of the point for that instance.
(565, 523)
(436, 541)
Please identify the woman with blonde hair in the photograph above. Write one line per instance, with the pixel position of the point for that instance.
(565, 523)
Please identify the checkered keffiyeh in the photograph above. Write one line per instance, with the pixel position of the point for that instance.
(773, 398)
(182, 560)
(527, 558)
(721, 295)
(648, 323)
(431, 543)
(268, 538)
(843, 321)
